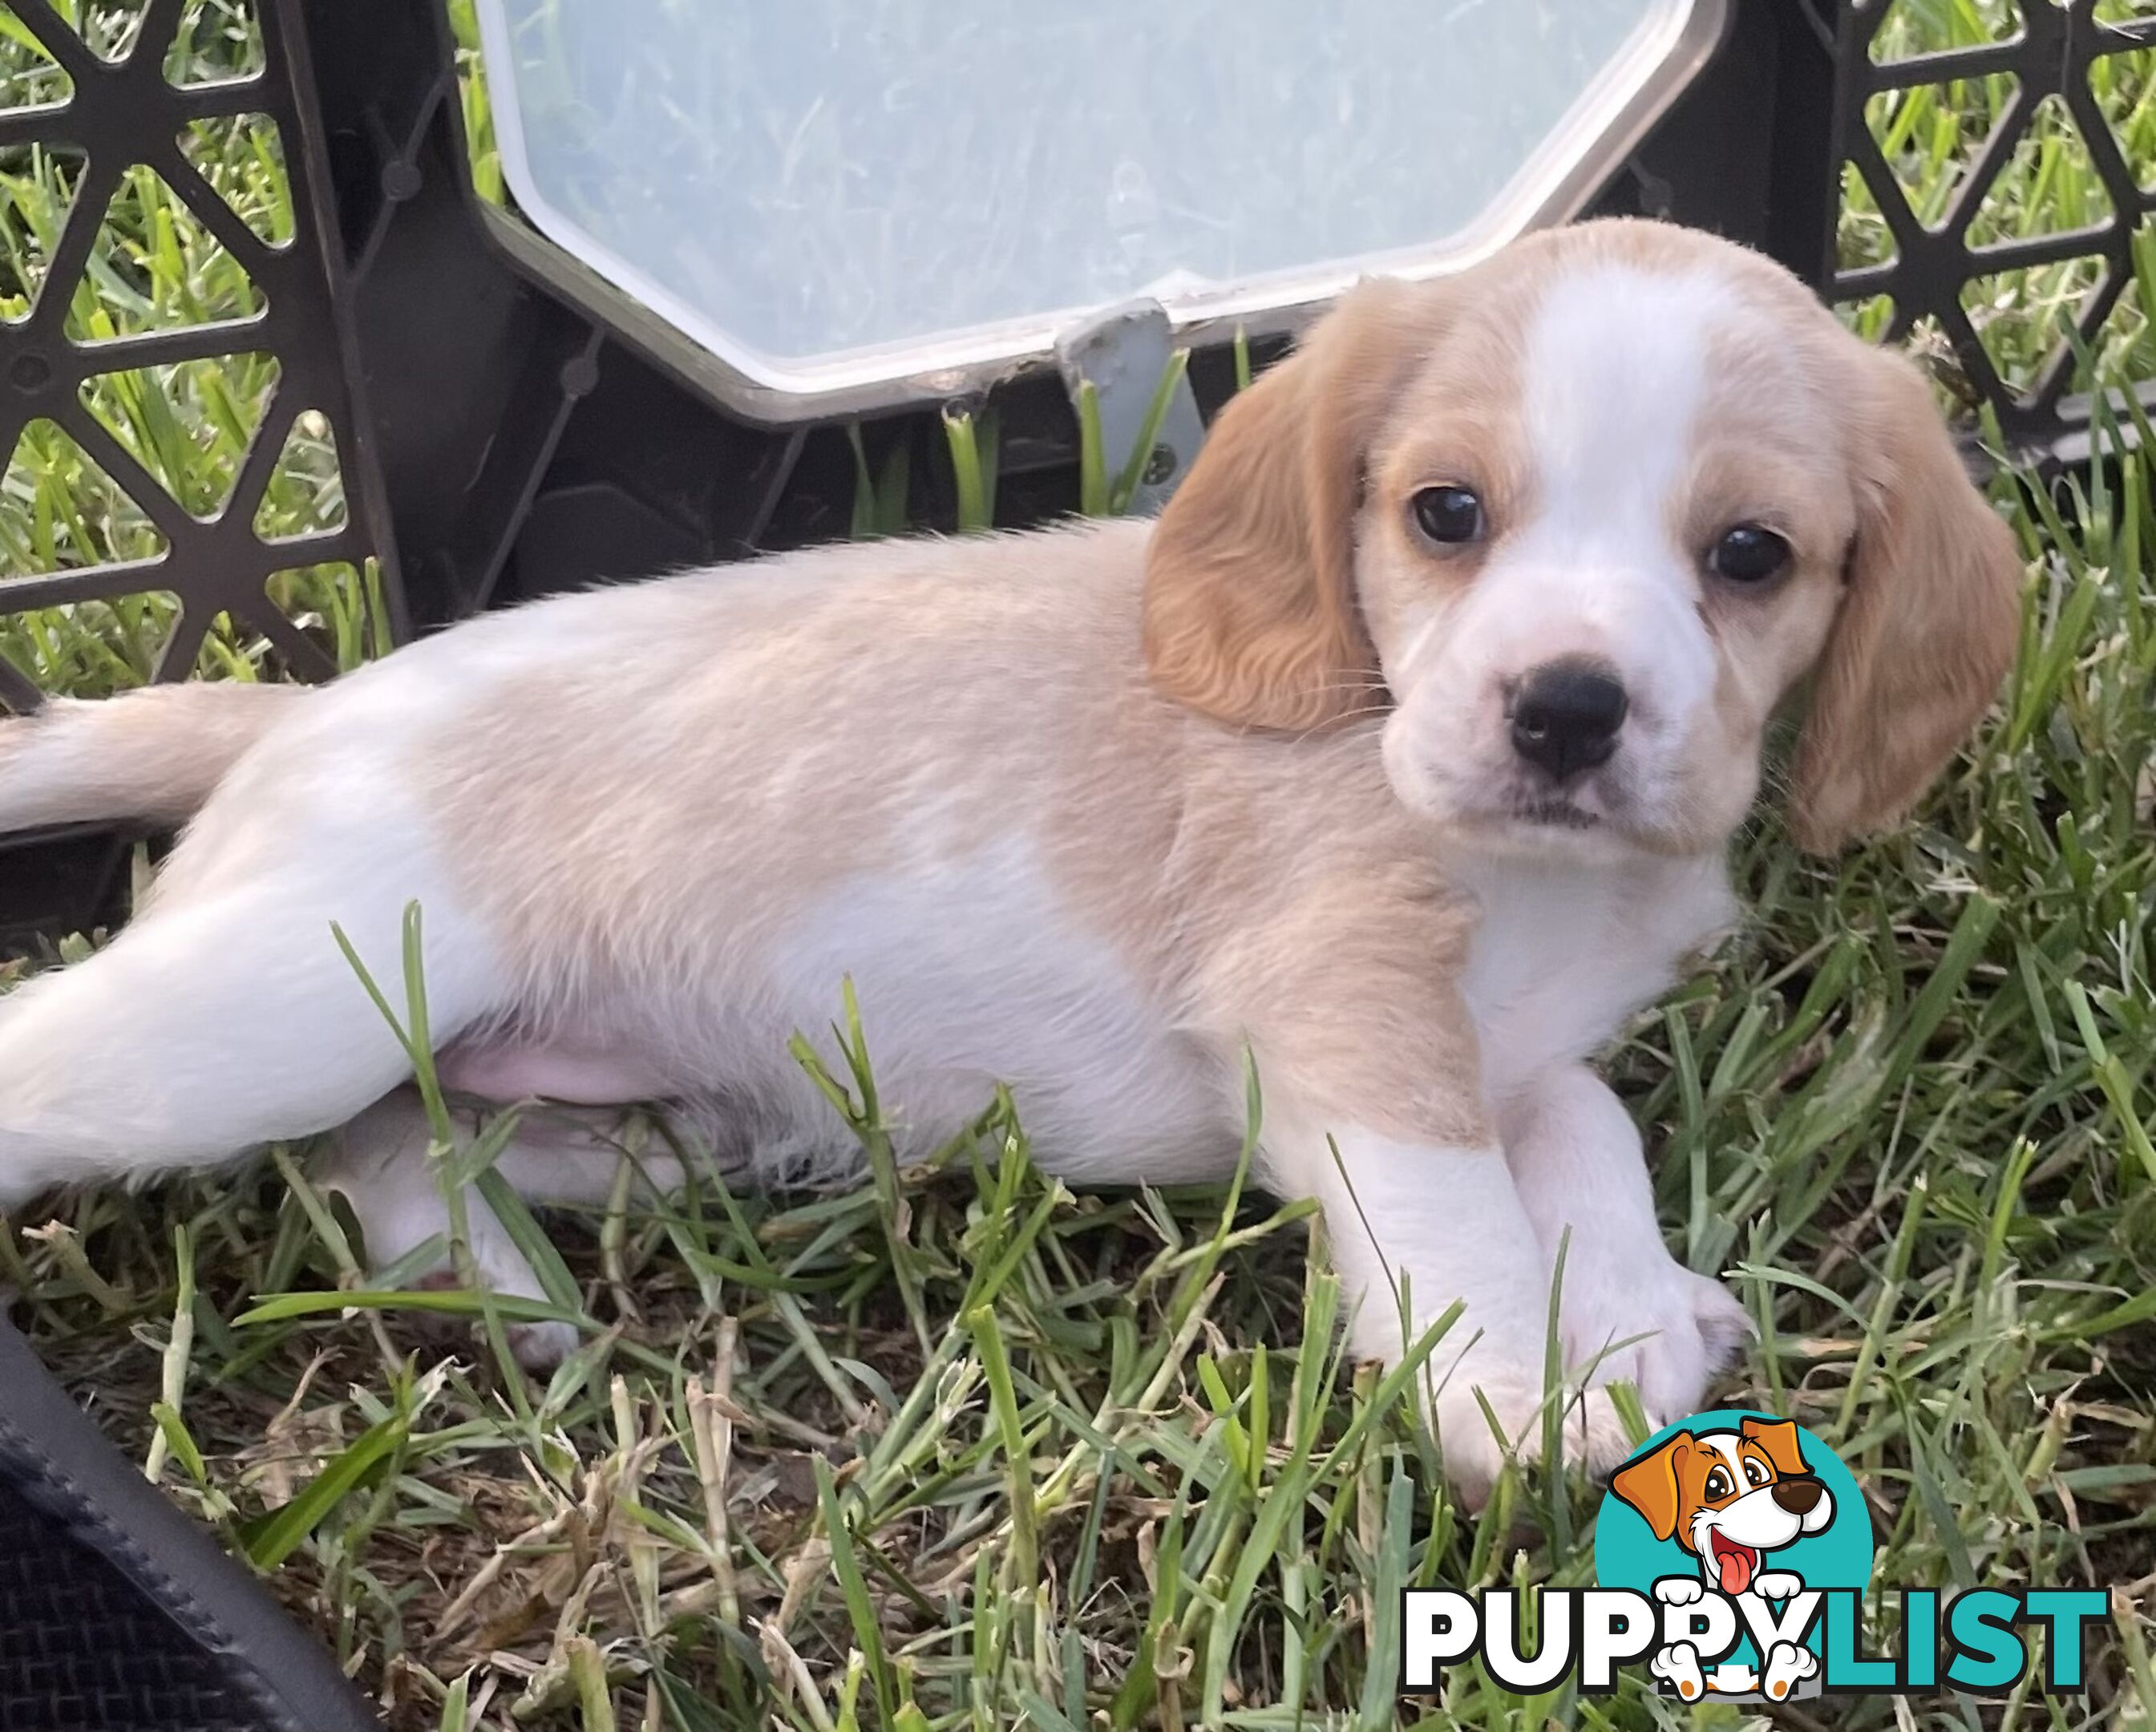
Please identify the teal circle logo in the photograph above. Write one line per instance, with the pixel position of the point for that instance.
(1723, 1505)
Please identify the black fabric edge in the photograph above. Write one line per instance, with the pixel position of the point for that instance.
(57, 1459)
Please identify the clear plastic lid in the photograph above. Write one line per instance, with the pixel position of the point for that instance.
(825, 192)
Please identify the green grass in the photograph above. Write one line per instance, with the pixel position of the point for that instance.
(959, 1449)
(1931, 135)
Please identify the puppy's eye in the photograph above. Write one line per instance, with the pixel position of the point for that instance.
(1718, 1483)
(1748, 554)
(1755, 1472)
(1448, 515)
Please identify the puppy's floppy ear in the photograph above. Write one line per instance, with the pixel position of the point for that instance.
(1778, 1438)
(1250, 613)
(1929, 622)
(1648, 1483)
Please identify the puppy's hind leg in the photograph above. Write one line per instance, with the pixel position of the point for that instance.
(555, 1155)
(222, 1019)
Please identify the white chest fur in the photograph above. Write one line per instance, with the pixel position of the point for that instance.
(1567, 949)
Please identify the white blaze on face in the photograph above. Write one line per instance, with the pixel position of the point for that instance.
(1615, 373)
(1728, 1562)
(1618, 419)
(1725, 1445)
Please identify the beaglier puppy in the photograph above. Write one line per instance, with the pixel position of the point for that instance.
(1403, 749)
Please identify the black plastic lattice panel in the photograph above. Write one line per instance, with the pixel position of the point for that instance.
(2041, 65)
(122, 117)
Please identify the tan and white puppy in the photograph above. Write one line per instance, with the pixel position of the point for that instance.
(1403, 749)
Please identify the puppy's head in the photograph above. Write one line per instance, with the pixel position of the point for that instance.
(1576, 520)
(1728, 1497)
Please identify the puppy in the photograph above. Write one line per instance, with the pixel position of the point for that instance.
(1402, 751)
(1730, 1497)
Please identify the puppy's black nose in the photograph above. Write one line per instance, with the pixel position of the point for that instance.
(1796, 1495)
(1565, 718)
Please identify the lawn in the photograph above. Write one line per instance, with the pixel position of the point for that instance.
(959, 1448)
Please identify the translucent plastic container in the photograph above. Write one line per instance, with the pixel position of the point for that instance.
(825, 192)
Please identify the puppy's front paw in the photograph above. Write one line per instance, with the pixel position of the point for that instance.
(1593, 1435)
(1677, 1666)
(1662, 1328)
(1777, 1585)
(1786, 1664)
(1679, 1590)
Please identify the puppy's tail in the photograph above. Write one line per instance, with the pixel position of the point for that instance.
(153, 755)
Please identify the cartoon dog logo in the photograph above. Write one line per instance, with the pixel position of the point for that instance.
(1730, 1498)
